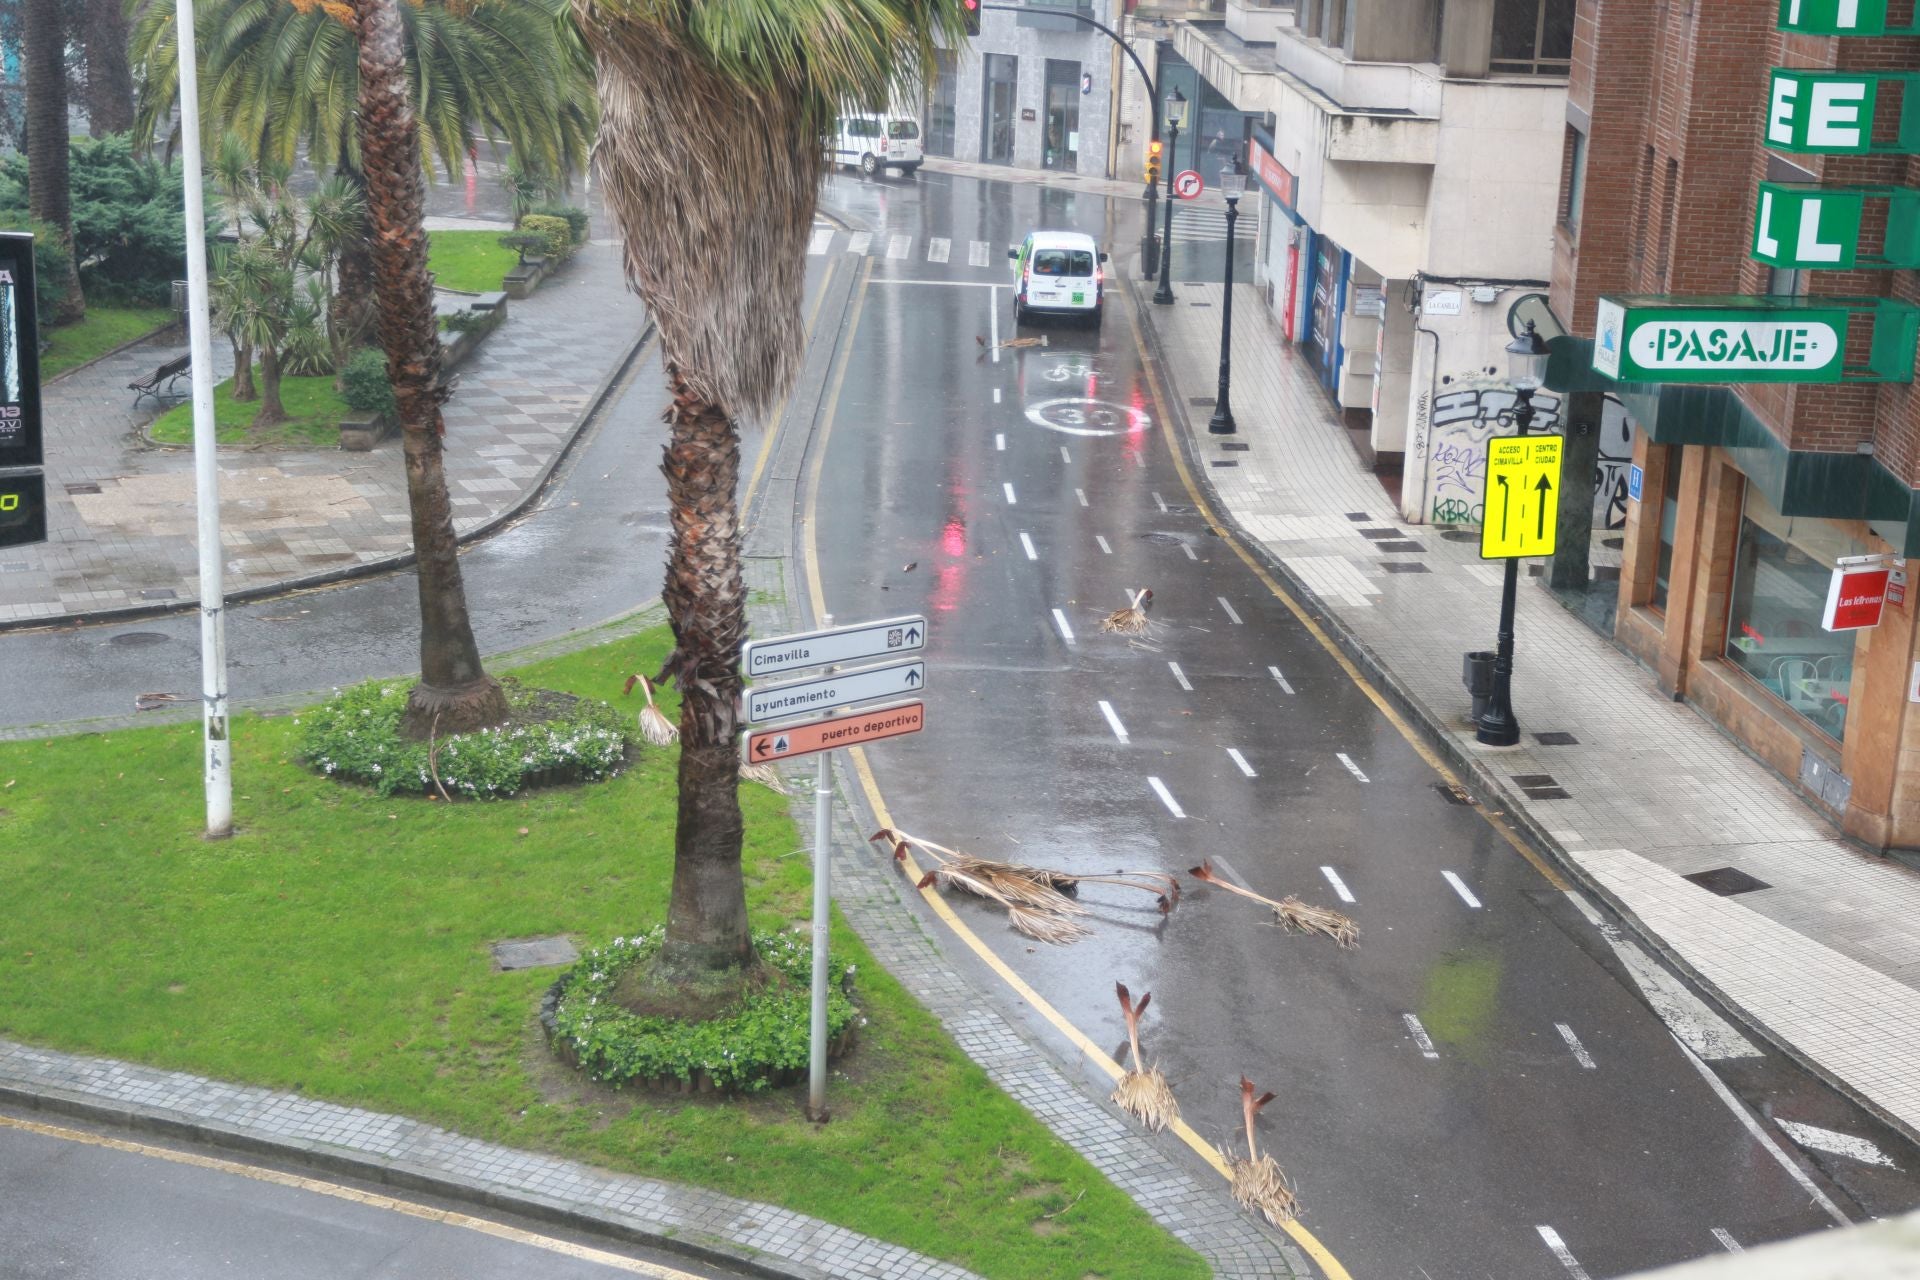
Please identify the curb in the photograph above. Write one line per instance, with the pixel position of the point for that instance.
(404, 1175)
(399, 560)
(1437, 731)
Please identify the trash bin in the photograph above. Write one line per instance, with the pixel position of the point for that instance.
(1477, 674)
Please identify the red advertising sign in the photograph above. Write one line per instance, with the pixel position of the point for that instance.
(1272, 174)
(1855, 598)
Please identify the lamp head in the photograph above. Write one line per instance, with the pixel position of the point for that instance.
(1527, 360)
(1176, 108)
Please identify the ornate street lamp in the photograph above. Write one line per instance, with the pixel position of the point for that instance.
(1233, 185)
(1526, 371)
(1176, 116)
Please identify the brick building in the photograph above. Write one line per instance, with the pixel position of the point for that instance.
(1696, 172)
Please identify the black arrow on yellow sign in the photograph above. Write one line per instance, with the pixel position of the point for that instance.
(1545, 486)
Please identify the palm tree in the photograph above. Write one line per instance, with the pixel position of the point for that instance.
(710, 158)
(44, 28)
(454, 693)
(109, 79)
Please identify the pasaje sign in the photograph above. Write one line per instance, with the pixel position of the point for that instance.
(1719, 343)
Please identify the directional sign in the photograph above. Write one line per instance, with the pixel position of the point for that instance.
(1523, 496)
(850, 730)
(1187, 184)
(863, 640)
(841, 689)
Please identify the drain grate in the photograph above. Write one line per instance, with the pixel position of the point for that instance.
(1540, 786)
(1225, 462)
(1404, 566)
(1727, 881)
(1400, 548)
(1199, 304)
(88, 487)
(1236, 447)
(1359, 517)
(137, 639)
(1452, 794)
(1556, 738)
(1378, 532)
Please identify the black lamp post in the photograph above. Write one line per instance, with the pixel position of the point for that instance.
(1176, 116)
(1233, 185)
(1526, 369)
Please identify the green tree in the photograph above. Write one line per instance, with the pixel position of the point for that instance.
(710, 159)
(43, 26)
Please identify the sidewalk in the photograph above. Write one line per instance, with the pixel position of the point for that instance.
(1826, 960)
(121, 512)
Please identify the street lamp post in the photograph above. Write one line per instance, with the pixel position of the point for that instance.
(1176, 116)
(1233, 184)
(1526, 369)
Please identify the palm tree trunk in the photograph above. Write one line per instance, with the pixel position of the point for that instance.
(243, 389)
(454, 694)
(48, 197)
(109, 79)
(271, 412)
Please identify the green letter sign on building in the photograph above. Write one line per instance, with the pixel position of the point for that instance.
(1757, 339)
(1804, 225)
(1832, 112)
(1840, 18)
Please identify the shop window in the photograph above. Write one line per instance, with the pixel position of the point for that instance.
(1532, 37)
(1669, 521)
(1780, 578)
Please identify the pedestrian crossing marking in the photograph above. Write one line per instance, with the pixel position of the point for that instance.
(822, 240)
(858, 244)
(977, 253)
(938, 249)
(897, 246)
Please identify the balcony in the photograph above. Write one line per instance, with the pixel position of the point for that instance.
(1260, 21)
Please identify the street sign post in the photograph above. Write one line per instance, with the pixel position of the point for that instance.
(841, 689)
(1523, 497)
(887, 638)
(1187, 184)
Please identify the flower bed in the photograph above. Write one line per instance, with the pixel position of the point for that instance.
(763, 1044)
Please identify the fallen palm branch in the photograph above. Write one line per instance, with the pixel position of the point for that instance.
(654, 726)
(1289, 912)
(1132, 620)
(1039, 901)
(1258, 1184)
(1143, 1092)
(1040, 341)
(764, 774)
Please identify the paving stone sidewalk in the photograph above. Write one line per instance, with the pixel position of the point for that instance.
(121, 512)
(1825, 960)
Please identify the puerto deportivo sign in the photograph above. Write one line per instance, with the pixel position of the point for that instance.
(1695, 343)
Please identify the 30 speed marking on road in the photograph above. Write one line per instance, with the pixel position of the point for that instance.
(1080, 416)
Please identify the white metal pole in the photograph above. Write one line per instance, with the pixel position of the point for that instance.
(206, 471)
(822, 909)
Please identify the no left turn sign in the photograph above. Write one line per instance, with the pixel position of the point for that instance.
(1187, 184)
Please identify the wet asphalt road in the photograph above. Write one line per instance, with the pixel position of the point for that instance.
(1038, 490)
(79, 1211)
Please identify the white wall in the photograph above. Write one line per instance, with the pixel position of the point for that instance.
(1496, 186)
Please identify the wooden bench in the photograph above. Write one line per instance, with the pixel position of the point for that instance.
(169, 373)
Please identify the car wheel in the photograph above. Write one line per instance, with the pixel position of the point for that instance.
(869, 164)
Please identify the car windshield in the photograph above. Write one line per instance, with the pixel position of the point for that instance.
(903, 129)
(1062, 262)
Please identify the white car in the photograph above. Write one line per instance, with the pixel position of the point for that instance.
(875, 143)
(1060, 273)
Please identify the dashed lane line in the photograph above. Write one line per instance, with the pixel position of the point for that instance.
(1081, 494)
(1180, 676)
(1558, 1248)
(996, 395)
(1339, 885)
(1011, 500)
(1161, 503)
(1580, 1054)
(1727, 1241)
(1060, 621)
(1000, 441)
(1280, 679)
(1460, 887)
(1166, 797)
(1347, 760)
(1026, 544)
(1113, 720)
(1241, 761)
(1229, 609)
(1188, 548)
(1420, 1036)
(1103, 544)
(1065, 456)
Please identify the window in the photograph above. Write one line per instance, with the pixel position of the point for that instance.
(1788, 282)
(996, 121)
(1669, 521)
(902, 129)
(1532, 37)
(1576, 179)
(1061, 148)
(1062, 262)
(1780, 578)
(1669, 199)
(941, 113)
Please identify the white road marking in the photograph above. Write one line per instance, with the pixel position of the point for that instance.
(1011, 500)
(1237, 622)
(1339, 885)
(1687, 1016)
(1026, 544)
(938, 249)
(1189, 550)
(897, 246)
(996, 395)
(1060, 620)
(1178, 674)
(976, 253)
(1835, 1143)
(1225, 868)
(993, 320)
(822, 240)
(1420, 1036)
(1560, 1251)
(859, 242)
(1580, 1054)
(1460, 887)
(1342, 756)
(1065, 456)
(1140, 459)
(1242, 762)
(1727, 1241)
(1103, 544)
(1000, 441)
(1082, 495)
(1161, 503)
(1113, 721)
(1166, 797)
(1275, 671)
(1761, 1136)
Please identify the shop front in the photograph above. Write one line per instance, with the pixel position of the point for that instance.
(1281, 234)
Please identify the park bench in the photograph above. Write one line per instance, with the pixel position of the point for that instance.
(169, 373)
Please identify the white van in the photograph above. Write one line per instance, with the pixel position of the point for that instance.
(875, 142)
(1059, 272)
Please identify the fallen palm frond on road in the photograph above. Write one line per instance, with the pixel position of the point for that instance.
(654, 726)
(1038, 900)
(1132, 620)
(1289, 913)
(1143, 1092)
(1040, 341)
(1258, 1184)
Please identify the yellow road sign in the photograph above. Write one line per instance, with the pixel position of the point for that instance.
(1523, 496)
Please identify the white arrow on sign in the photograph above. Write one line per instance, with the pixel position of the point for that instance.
(842, 689)
(884, 639)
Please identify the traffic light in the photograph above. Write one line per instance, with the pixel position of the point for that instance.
(970, 9)
(1153, 161)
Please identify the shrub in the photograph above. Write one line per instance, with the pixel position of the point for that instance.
(364, 385)
(355, 735)
(522, 244)
(576, 218)
(49, 261)
(464, 321)
(128, 230)
(558, 234)
(754, 1047)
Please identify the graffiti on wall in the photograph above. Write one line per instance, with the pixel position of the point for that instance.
(1461, 420)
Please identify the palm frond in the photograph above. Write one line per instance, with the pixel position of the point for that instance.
(1143, 1092)
(1258, 1184)
(764, 774)
(1289, 913)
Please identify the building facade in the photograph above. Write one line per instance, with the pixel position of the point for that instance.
(1725, 180)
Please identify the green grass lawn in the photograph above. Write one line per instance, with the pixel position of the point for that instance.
(314, 410)
(470, 261)
(338, 945)
(100, 331)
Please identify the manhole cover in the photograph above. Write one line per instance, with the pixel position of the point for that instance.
(139, 639)
(534, 953)
(1727, 881)
(1460, 535)
(1556, 738)
(1452, 794)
